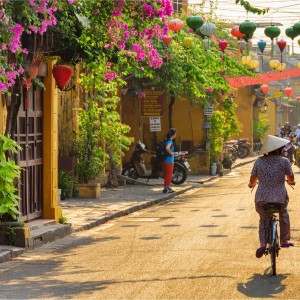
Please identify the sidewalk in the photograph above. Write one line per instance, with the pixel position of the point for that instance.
(83, 214)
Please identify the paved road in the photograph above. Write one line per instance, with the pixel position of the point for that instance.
(199, 245)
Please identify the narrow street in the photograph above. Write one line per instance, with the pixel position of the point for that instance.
(199, 245)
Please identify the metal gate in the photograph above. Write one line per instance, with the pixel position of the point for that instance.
(29, 136)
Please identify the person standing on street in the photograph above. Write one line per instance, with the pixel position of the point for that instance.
(168, 163)
(271, 171)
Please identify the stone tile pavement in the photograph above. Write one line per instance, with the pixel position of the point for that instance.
(84, 214)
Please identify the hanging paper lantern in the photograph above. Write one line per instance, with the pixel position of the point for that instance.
(167, 39)
(188, 41)
(175, 25)
(206, 43)
(247, 27)
(264, 88)
(291, 33)
(248, 37)
(285, 99)
(236, 32)
(281, 44)
(246, 60)
(293, 101)
(223, 45)
(242, 45)
(198, 32)
(288, 91)
(296, 28)
(194, 22)
(274, 63)
(208, 29)
(254, 64)
(272, 31)
(261, 45)
(62, 75)
(298, 65)
(299, 42)
(281, 67)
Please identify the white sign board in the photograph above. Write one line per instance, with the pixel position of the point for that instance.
(155, 124)
(208, 111)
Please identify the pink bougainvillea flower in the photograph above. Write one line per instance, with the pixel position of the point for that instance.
(109, 76)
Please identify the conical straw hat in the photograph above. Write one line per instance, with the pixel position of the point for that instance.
(272, 143)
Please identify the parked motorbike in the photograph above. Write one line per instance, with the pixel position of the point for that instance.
(242, 147)
(136, 167)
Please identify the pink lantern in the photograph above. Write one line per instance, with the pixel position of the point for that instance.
(288, 91)
(264, 88)
(223, 45)
(167, 39)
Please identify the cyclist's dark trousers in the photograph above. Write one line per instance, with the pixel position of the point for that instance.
(284, 219)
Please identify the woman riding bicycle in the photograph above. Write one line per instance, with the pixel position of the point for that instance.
(271, 171)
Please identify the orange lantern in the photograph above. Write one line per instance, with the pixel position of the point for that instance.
(236, 32)
(62, 75)
(167, 39)
(175, 25)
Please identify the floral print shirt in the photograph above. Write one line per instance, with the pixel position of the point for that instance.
(271, 171)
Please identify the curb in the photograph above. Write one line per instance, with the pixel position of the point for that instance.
(131, 210)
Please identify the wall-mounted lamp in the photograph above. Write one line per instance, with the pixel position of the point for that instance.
(263, 108)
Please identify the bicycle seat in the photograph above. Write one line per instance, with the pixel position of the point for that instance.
(272, 207)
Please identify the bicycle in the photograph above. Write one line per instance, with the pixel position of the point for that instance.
(273, 246)
(272, 236)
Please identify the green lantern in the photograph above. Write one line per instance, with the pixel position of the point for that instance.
(296, 28)
(247, 27)
(194, 22)
(198, 32)
(272, 32)
(291, 33)
(285, 99)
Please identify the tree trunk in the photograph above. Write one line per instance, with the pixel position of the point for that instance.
(13, 105)
(113, 173)
(171, 111)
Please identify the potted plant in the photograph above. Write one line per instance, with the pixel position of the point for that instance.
(66, 183)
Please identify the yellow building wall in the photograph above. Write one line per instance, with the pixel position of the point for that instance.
(51, 210)
(186, 119)
(244, 100)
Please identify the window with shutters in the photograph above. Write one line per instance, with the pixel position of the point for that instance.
(177, 6)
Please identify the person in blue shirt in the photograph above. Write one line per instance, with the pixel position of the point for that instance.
(168, 163)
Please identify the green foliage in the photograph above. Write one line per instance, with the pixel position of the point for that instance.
(260, 128)
(65, 182)
(250, 8)
(9, 174)
(63, 220)
(224, 124)
(10, 234)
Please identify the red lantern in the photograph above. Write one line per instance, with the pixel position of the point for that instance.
(264, 88)
(223, 45)
(236, 32)
(281, 44)
(167, 39)
(62, 75)
(288, 91)
(176, 25)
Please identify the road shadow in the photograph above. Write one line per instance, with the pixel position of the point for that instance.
(263, 286)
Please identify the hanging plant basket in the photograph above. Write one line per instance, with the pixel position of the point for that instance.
(62, 75)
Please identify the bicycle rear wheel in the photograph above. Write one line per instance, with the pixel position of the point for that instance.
(273, 254)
